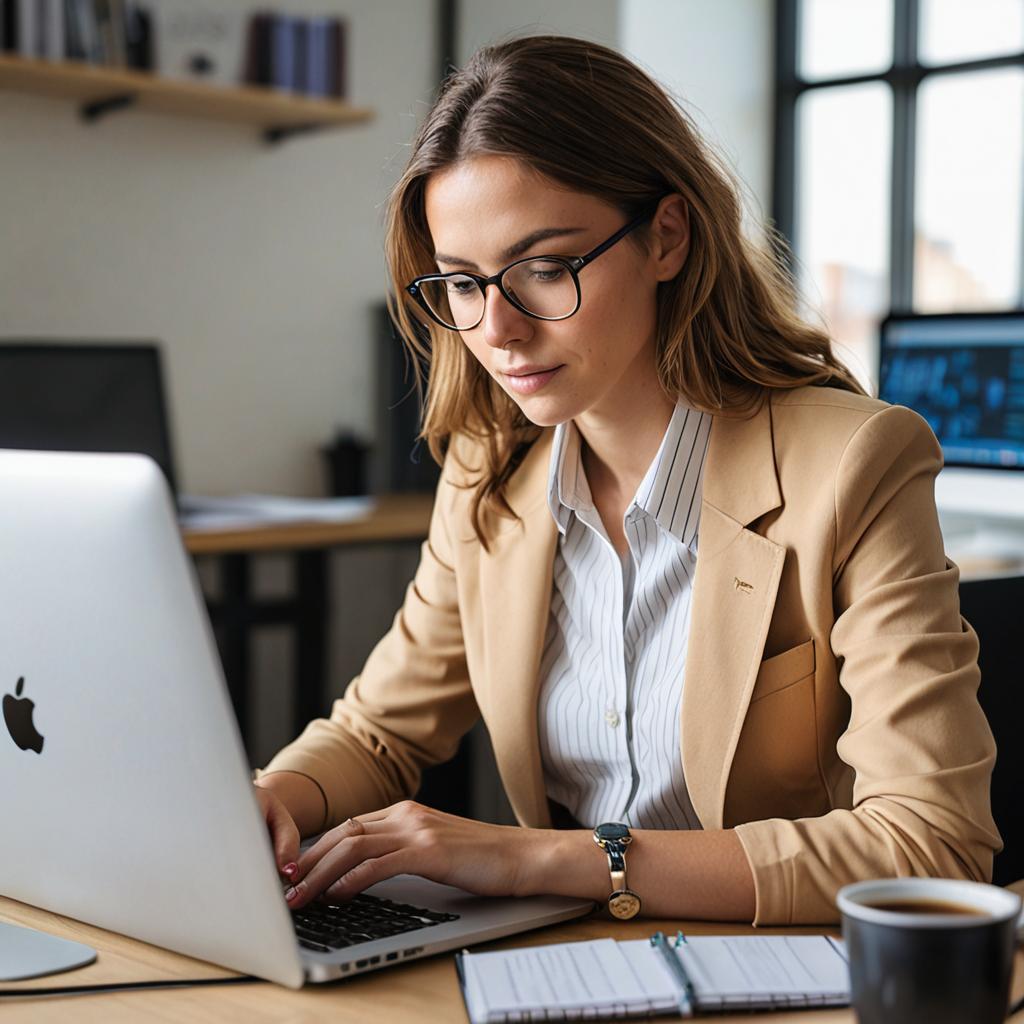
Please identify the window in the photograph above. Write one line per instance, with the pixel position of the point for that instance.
(899, 164)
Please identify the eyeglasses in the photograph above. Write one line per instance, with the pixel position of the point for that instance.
(544, 287)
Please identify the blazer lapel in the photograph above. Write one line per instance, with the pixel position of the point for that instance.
(516, 576)
(734, 592)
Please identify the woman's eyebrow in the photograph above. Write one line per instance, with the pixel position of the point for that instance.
(523, 245)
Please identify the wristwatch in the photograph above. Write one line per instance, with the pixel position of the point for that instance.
(613, 837)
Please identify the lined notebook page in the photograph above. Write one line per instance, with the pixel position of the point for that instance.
(597, 975)
(609, 978)
(729, 971)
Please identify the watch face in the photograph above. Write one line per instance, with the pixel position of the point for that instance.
(624, 904)
(611, 830)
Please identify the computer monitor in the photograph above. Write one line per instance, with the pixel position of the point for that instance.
(964, 373)
(86, 397)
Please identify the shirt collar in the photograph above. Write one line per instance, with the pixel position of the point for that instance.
(671, 489)
(568, 490)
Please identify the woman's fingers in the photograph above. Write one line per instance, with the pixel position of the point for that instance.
(367, 873)
(335, 864)
(406, 817)
(327, 842)
(335, 860)
(383, 813)
(284, 835)
(410, 838)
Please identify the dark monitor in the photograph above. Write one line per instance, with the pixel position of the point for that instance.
(403, 463)
(67, 396)
(964, 373)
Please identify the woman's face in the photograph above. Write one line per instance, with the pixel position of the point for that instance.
(485, 212)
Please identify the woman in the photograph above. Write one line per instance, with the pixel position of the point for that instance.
(618, 382)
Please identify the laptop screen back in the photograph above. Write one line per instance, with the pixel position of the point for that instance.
(964, 373)
(86, 398)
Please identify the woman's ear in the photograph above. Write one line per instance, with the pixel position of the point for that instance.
(670, 236)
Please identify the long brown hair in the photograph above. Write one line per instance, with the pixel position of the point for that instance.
(587, 118)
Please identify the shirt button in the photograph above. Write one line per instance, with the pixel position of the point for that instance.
(612, 718)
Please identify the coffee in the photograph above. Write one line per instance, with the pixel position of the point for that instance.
(927, 907)
(929, 950)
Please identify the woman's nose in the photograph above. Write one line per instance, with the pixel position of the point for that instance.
(502, 322)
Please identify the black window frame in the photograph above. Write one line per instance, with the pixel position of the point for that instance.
(904, 77)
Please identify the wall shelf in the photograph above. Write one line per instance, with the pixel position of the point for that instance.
(100, 91)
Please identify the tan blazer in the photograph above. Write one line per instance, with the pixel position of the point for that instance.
(830, 707)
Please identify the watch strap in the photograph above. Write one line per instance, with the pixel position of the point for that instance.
(623, 903)
(616, 862)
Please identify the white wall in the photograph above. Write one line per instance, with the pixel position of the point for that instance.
(716, 57)
(490, 21)
(255, 266)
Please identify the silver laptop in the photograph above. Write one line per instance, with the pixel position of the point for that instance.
(126, 799)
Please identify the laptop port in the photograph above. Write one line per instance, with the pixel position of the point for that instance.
(391, 956)
(413, 951)
(362, 963)
(374, 959)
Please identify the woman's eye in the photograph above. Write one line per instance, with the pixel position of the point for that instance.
(460, 287)
(547, 276)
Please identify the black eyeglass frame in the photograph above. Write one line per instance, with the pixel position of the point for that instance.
(574, 264)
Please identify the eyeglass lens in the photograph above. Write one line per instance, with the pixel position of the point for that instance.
(545, 288)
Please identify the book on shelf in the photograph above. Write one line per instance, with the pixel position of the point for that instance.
(138, 37)
(110, 36)
(294, 54)
(283, 46)
(113, 33)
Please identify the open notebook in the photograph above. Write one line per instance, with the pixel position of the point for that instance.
(605, 978)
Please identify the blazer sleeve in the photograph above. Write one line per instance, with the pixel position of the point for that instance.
(412, 702)
(917, 738)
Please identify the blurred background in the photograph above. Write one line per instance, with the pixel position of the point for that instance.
(207, 178)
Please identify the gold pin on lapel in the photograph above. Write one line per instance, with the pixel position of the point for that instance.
(743, 587)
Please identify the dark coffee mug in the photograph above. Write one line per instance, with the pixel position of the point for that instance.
(929, 950)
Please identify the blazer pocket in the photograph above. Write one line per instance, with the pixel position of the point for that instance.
(775, 771)
(782, 670)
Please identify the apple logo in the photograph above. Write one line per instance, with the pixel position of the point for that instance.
(18, 716)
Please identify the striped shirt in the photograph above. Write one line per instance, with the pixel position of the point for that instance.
(611, 674)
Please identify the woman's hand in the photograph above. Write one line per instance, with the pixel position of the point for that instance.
(490, 860)
(284, 833)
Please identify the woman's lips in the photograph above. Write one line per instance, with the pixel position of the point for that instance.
(528, 383)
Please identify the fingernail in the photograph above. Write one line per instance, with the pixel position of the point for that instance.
(291, 893)
(290, 869)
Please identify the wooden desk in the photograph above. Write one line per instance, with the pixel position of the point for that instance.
(395, 518)
(421, 991)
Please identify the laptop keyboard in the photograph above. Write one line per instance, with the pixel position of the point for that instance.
(326, 927)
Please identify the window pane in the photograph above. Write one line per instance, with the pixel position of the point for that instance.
(842, 214)
(967, 228)
(956, 30)
(844, 37)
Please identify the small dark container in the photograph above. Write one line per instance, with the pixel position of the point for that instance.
(929, 965)
(346, 465)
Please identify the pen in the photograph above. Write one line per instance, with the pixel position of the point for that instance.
(687, 998)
